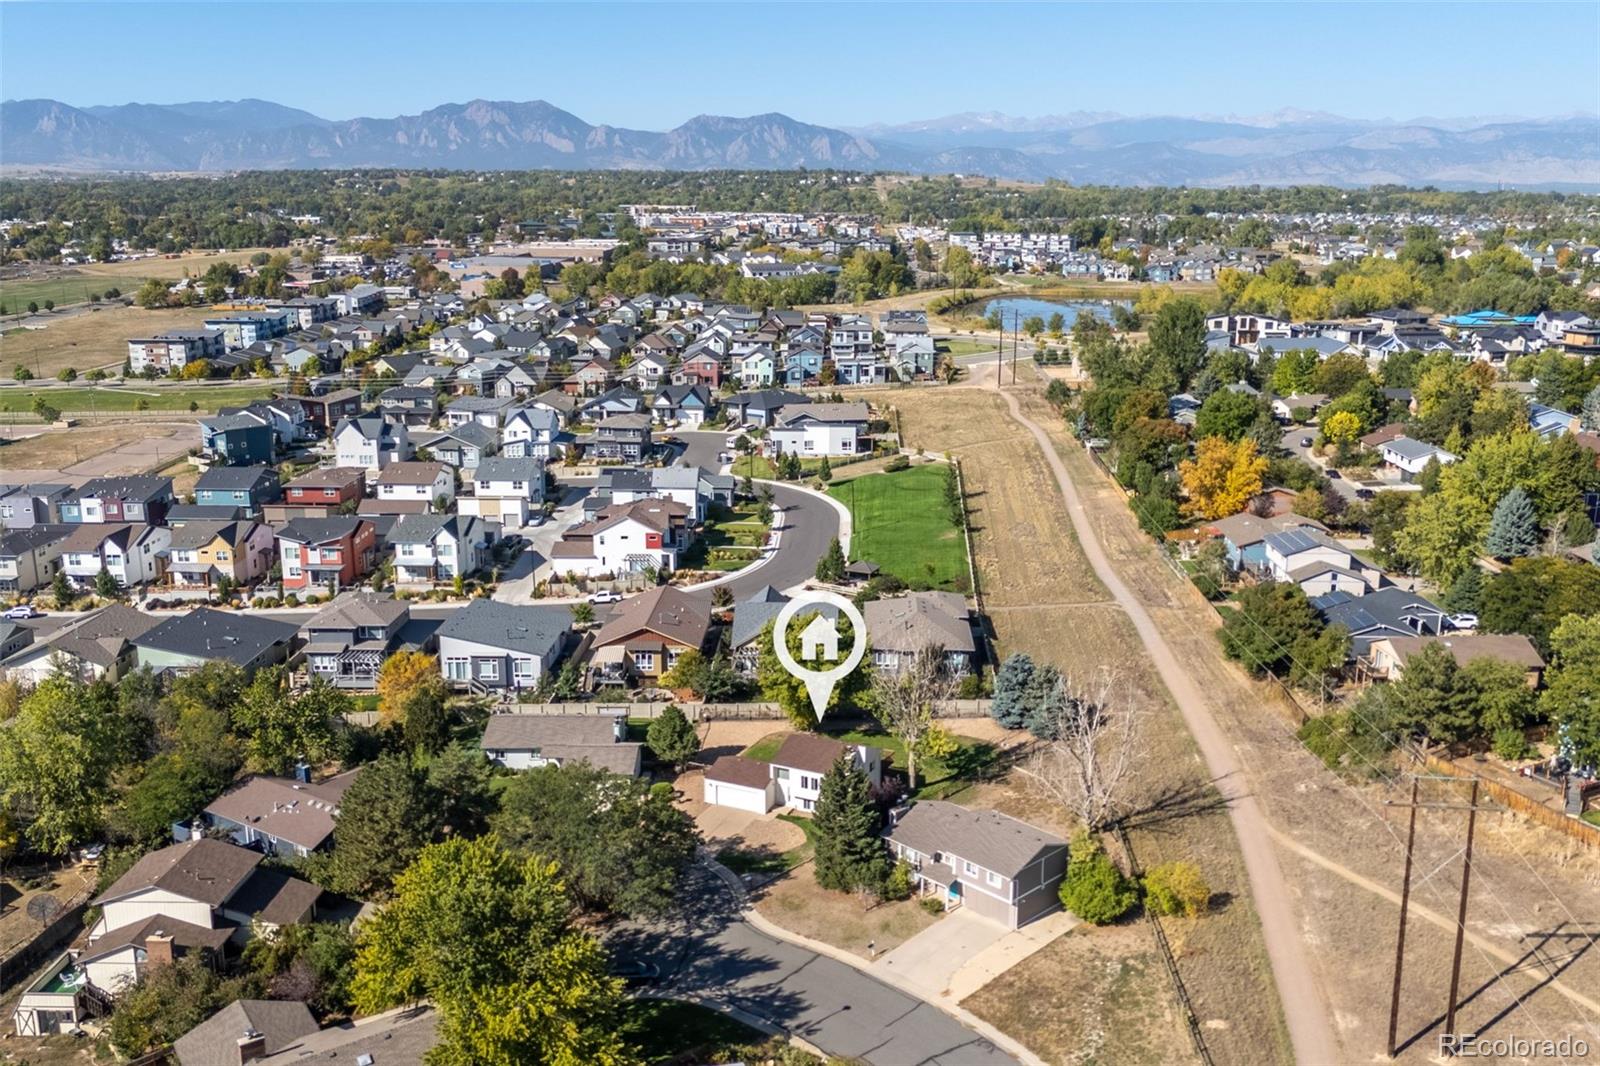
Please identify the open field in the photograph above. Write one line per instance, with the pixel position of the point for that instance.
(1044, 599)
(72, 285)
(14, 400)
(900, 522)
(97, 451)
(1529, 968)
(88, 340)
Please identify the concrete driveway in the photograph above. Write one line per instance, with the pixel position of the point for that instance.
(964, 951)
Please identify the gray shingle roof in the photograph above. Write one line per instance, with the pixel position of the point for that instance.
(224, 478)
(993, 840)
(216, 1040)
(920, 620)
(531, 630)
(211, 634)
(574, 738)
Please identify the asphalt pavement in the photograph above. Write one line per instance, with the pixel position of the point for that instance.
(707, 949)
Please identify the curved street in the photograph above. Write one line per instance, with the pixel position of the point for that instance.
(707, 950)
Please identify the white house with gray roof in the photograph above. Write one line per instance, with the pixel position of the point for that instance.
(493, 646)
(504, 490)
(1410, 457)
(899, 627)
(818, 429)
(434, 549)
(527, 741)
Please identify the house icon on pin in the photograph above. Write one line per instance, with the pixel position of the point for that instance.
(820, 639)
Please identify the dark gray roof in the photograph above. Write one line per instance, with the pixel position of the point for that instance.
(1381, 613)
(920, 620)
(531, 630)
(205, 633)
(751, 616)
(317, 530)
(574, 738)
(398, 1038)
(205, 870)
(988, 838)
(18, 541)
(197, 534)
(130, 487)
(499, 469)
(216, 1040)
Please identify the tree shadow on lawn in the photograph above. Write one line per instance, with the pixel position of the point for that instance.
(1174, 803)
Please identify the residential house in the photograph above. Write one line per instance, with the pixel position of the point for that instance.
(590, 378)
(131, 554)
(276, 1035)
(436, 549)
(487, 411)
(174, 349)
(1385, 612)
(524, 741)
(625, 538)
(492, 646)
(900, 627)
(87, 647)
(701, 367)
(245, 1031)
(792, 779)
(761, 408)
(325, 553)
(320, 492)
(1244, 535)
(371, 442)
(1409, 458)
(621, 438)
(242, 438)
(38, 504)
(247, 487)
(324, 413)
(1389, 656)
(756, 369)
(1318, 564)
(750, 619)
(186, 642)
(507, 491)
(688, 405)
(1001, 868)
(463, 447)
(533, 433)
(347, 641)
(31, 557)
(132, 498)
(431, 484)
(280, 816)
(645, 635)
(411, 404)
(817, 429)
(201, 554)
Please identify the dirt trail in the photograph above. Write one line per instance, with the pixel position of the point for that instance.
(1298, 991)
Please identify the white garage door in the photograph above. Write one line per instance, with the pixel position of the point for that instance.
(739, 797)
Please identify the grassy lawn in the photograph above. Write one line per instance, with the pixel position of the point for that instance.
(124, 398)
(1592, 817)
(767, 861)
(965, 347)
(730, 540)
(937, 778)
(900, 522)
(753, 466)
(667, 1030)
(76, 285)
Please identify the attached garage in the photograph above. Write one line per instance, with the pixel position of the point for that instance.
(741, 783)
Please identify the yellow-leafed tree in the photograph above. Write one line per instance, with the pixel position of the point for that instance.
(401, 675)
(1222, 477)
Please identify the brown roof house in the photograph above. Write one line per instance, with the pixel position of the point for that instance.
(999, 867)
(1391, 654)
(648, 632)
(282, 816)
(792, 779)
(525, 741)
(204, 884)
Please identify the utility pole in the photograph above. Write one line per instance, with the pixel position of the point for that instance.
(1472, 807)
(1461, 920)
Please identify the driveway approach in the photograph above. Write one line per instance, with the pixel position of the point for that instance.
(708, 950)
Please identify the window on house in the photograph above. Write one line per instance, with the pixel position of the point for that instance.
(969, 868)
(643, 660)
(489, 669)
(994, 878)
(455, 669)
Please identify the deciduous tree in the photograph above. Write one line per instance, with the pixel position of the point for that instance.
(1222, 477)
(908, 701)
(671, 737)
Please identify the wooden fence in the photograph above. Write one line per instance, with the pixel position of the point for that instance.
(755, 711)
(1574, 828)
(20, 963)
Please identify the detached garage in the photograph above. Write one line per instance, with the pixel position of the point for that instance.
(741, 783)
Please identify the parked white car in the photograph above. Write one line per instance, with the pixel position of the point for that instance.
(605, 597)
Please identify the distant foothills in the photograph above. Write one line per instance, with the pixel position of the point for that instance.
(1289, 148)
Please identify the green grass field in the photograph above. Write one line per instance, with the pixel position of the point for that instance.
(900, 522)
(956, 347)
(937, 778)
(15, 295)
(126, 398)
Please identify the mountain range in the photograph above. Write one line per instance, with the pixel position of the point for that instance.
(1084, 147)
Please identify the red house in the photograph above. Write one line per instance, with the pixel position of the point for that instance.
(703, 368)
(317, 552)
(327, 487)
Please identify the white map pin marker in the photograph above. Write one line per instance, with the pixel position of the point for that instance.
(819, 683)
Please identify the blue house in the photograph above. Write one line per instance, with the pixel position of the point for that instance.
(801, 365)
(1244, 536)
(237, 439)
(248, 487)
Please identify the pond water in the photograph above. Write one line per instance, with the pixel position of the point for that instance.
(1015, 310)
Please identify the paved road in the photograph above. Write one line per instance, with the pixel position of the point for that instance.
(1302, 1000)
(1292, 436)
(709, 950)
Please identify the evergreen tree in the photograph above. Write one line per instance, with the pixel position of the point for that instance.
(105, 586)
(426, 720)
(387, 817)
(61, 589)
(1045, 700)
(830, 567)
(672, 738)
(1514, 527)
(1591, 410)
(1011, 681)
(825, 471)
(849, 856)
(1466, 595)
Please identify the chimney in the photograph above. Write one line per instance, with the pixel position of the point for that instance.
(252, 1046)
(157, 949)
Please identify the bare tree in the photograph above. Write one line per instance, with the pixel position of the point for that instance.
(1089, 763)
(907, 701)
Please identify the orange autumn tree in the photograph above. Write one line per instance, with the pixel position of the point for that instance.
(401, 675)
(1222, 477)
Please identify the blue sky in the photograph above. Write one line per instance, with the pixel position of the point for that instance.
(654, 65)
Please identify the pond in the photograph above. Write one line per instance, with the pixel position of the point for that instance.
(1015, 310)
